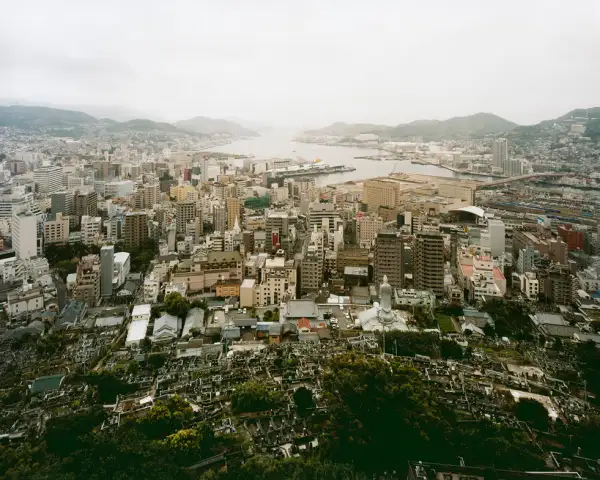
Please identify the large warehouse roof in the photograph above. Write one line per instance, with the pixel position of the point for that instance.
(471, 209)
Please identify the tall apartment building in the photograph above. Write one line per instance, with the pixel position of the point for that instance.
(48, 179)
(500, 152)
(107, 266)
(428, 263)
(322, 215)
(87, 288)
(62, 202)
(367, 228)
(205, 169)
(24, 235)
(389, 259)
(148, 195)
(91, 230)
(219, 218)
(85, 203)
(185, 212)
(278, 232)
(57, 230)
(234, 211)
(559, 285)
(135, 230)
(312, 268)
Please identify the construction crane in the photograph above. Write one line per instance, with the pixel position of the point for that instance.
(394, 170)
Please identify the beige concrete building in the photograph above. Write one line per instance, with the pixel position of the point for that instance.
(234, 211)
(87, 288)
(57, 230)
(367, 228)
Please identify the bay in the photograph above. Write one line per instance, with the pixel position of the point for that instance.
(280, 144)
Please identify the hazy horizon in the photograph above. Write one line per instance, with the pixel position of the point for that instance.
(306, 65)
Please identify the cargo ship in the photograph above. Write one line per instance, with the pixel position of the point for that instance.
(311, 169)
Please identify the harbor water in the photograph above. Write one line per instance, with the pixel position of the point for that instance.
(281, 144)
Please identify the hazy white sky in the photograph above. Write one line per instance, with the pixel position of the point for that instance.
(306, 62)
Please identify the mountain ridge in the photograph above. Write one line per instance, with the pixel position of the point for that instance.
(208, 125)
(478, 124)
(34, 118)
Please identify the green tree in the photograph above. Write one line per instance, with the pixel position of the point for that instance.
(177, 305)
(371, 402)
(533, 412)
(255, 397)
(451, 349)
(303, 398)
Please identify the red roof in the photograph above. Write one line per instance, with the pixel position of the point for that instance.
(304, 323)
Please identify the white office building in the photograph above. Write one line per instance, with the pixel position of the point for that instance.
(24, 235)
(497, 234)
(48, 179)
(91, 229)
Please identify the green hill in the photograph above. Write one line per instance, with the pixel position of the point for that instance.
(32, 118)
(580, 113)
(477, 125)
(142, 125)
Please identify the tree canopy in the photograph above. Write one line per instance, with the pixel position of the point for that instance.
(255, 397)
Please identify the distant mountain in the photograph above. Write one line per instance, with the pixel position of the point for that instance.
(142, 125)
(580, 114)
(341, 129)
(477, 125)
(209, 126)
(250, 124)
(30, 117)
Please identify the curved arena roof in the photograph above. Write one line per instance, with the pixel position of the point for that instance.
(471, 209)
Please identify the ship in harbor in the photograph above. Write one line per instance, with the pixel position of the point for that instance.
(277, 175)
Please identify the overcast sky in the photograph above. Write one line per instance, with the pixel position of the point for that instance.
(305, 62)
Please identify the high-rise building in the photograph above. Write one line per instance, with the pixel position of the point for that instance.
(388, 260)
(135, 230)
(57, 230)
(367, 228)
(219, 218)
(86, 203)
(24, 235)
(107, 265)
(312, 268)
(497, 234)
(526, 259)
(205, 169)
(234, 211)
(91, 229)
(278, 232)
(323, 215)
(428, 263)
(185, 212)
(499, 152)
(149, 195)
(62, 202)
(87, 288)
(48, 179)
